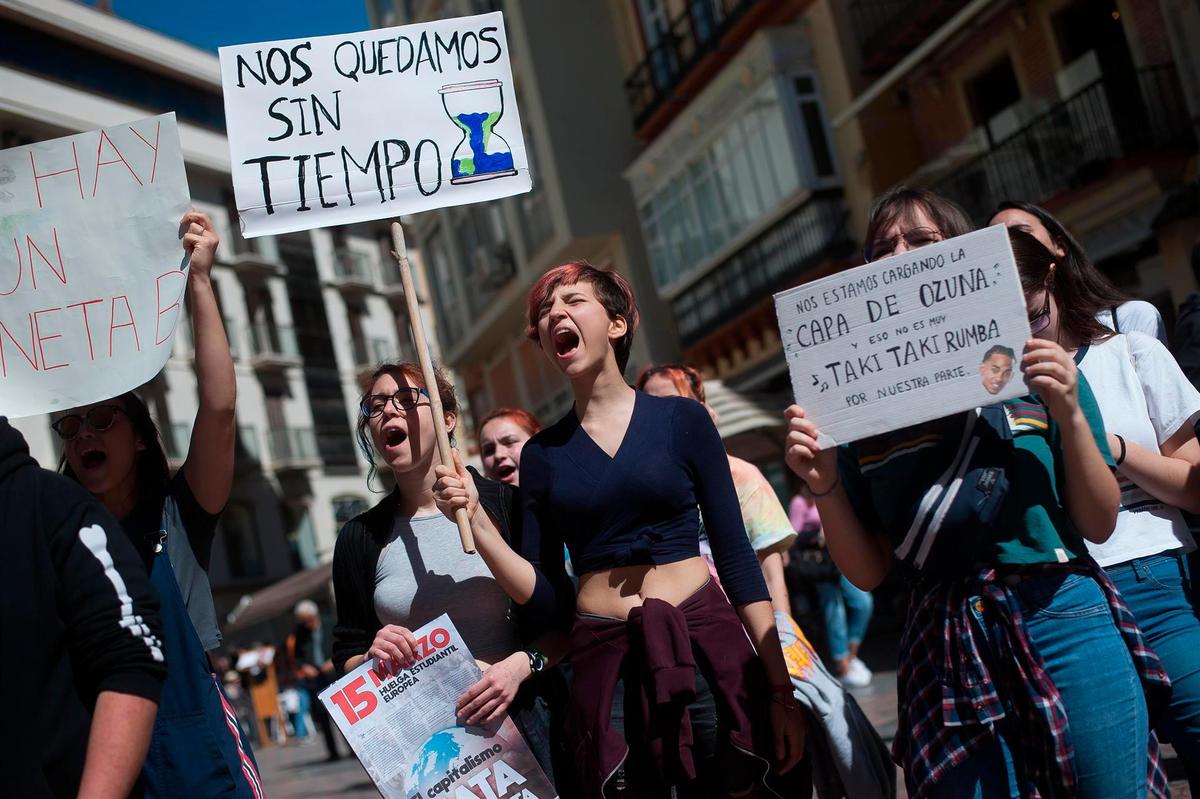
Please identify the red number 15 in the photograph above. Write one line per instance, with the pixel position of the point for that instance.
(355, 703)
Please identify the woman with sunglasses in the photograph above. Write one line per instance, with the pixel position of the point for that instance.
(400, 564)
(1022, 673)
(112, 449)
(1150, 412)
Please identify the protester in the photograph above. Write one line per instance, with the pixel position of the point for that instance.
(310, 647)
(401, 564)
(502, 434)
(112, 449)
(845, 608)
(619, 480)
(1114, 309)
(82, 637)
(1150, 411)
(767, 525)
(1022, 671)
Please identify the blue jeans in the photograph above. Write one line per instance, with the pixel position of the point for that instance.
(1158, 591)
(1072, 629)
(847, 610)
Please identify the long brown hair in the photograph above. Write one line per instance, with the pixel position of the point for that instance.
(151, 464)
(1041, 269)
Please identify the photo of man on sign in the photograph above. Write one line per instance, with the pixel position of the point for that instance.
(996, 368)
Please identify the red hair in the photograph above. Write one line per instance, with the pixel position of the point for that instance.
(612, 290)
(523, 419)
(687, 381)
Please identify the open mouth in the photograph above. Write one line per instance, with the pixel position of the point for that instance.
(566, 341)
(394, 436)
(505, 471)
(92, 458)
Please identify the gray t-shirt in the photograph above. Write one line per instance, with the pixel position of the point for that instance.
(422, 573)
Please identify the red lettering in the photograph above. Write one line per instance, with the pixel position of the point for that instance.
(120, 159)
(87, 327)
(3, 361)
(355, 703)
(439, 638)
(158, 337)
(30, 247)
(20, 270)
(154, 147)
(41, 339)
(112, 323)
(36, 177)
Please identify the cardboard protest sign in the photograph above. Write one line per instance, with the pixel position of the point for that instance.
(333, 130)
(909, 338)
(404, 730)
(92, 273)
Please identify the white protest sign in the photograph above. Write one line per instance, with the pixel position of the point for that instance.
(332, 130)
(92, 273)
(909, 338)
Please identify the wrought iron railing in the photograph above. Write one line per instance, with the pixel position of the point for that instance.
(689, 37)
(1077, 141)
(814, 231)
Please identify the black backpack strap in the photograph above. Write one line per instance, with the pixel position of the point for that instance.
(1116, 324)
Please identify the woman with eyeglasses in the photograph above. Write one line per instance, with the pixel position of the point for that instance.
(112, 449)
(1150, 412)
(400, 564)
(1022, 672)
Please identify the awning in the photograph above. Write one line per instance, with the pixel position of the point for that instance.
(741, 413)
(279, 598)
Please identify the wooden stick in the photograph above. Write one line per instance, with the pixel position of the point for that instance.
(445, 453)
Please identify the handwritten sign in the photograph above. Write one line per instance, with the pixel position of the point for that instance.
(910, 338)
(333, 130)
(91, 270)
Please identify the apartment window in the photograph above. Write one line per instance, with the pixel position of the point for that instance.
(812, 117)
(746, 170)
(447, 299)
(243, 551)
(992, 91)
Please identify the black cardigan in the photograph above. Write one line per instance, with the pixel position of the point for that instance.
(356, 554)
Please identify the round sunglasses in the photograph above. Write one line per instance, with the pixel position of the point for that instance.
(98, 417)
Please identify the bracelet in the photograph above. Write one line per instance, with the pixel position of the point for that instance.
(1121, 457)
(837, 478)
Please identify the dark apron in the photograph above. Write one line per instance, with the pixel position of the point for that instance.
(198, 748)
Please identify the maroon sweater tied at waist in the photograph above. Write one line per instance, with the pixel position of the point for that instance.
(657, 651)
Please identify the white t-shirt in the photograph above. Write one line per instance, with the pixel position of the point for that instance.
(1145, 398)
(1135, 316)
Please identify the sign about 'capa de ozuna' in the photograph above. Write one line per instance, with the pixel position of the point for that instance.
(333, 130)
(909, 338)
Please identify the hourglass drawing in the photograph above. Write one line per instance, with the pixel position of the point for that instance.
(475, 108)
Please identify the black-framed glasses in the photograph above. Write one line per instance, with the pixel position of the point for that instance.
(917, 237)
(1040, 320)
(405, 399)
(98, 417)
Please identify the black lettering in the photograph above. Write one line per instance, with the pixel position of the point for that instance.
(287, 65)
(417, 167)
(471, 38)
(352, 72)
(335, 120)
(365, 48)
(412, 53)
(271, 112)
(423, 54)
(372, 158)
(266, 183)
(383, 68)
(391, 166)
(299, 103)
(490, 41)
(449, 48)
(242, 66)
(321, 179)
(300, 159)
(301, 63)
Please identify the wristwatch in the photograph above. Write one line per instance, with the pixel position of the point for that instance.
(537, 660)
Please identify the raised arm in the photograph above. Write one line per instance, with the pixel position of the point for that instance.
(863, 555)
(1091, 495)
(209, 465)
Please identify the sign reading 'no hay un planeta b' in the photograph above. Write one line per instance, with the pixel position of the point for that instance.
(332, 130)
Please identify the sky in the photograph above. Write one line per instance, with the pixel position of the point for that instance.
(219, 22)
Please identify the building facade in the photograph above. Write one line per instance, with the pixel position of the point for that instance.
(306, 314)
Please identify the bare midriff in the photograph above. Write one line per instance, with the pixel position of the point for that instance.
(615, 592)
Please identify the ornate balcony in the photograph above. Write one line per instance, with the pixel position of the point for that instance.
(1119, 119)
(887, 30)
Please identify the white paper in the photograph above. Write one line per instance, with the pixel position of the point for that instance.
(404, 730)
(372, 125)
(903, 340)
(92, 273)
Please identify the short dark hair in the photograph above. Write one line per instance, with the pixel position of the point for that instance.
(899, 202)
(612, 290)
(999, 349)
